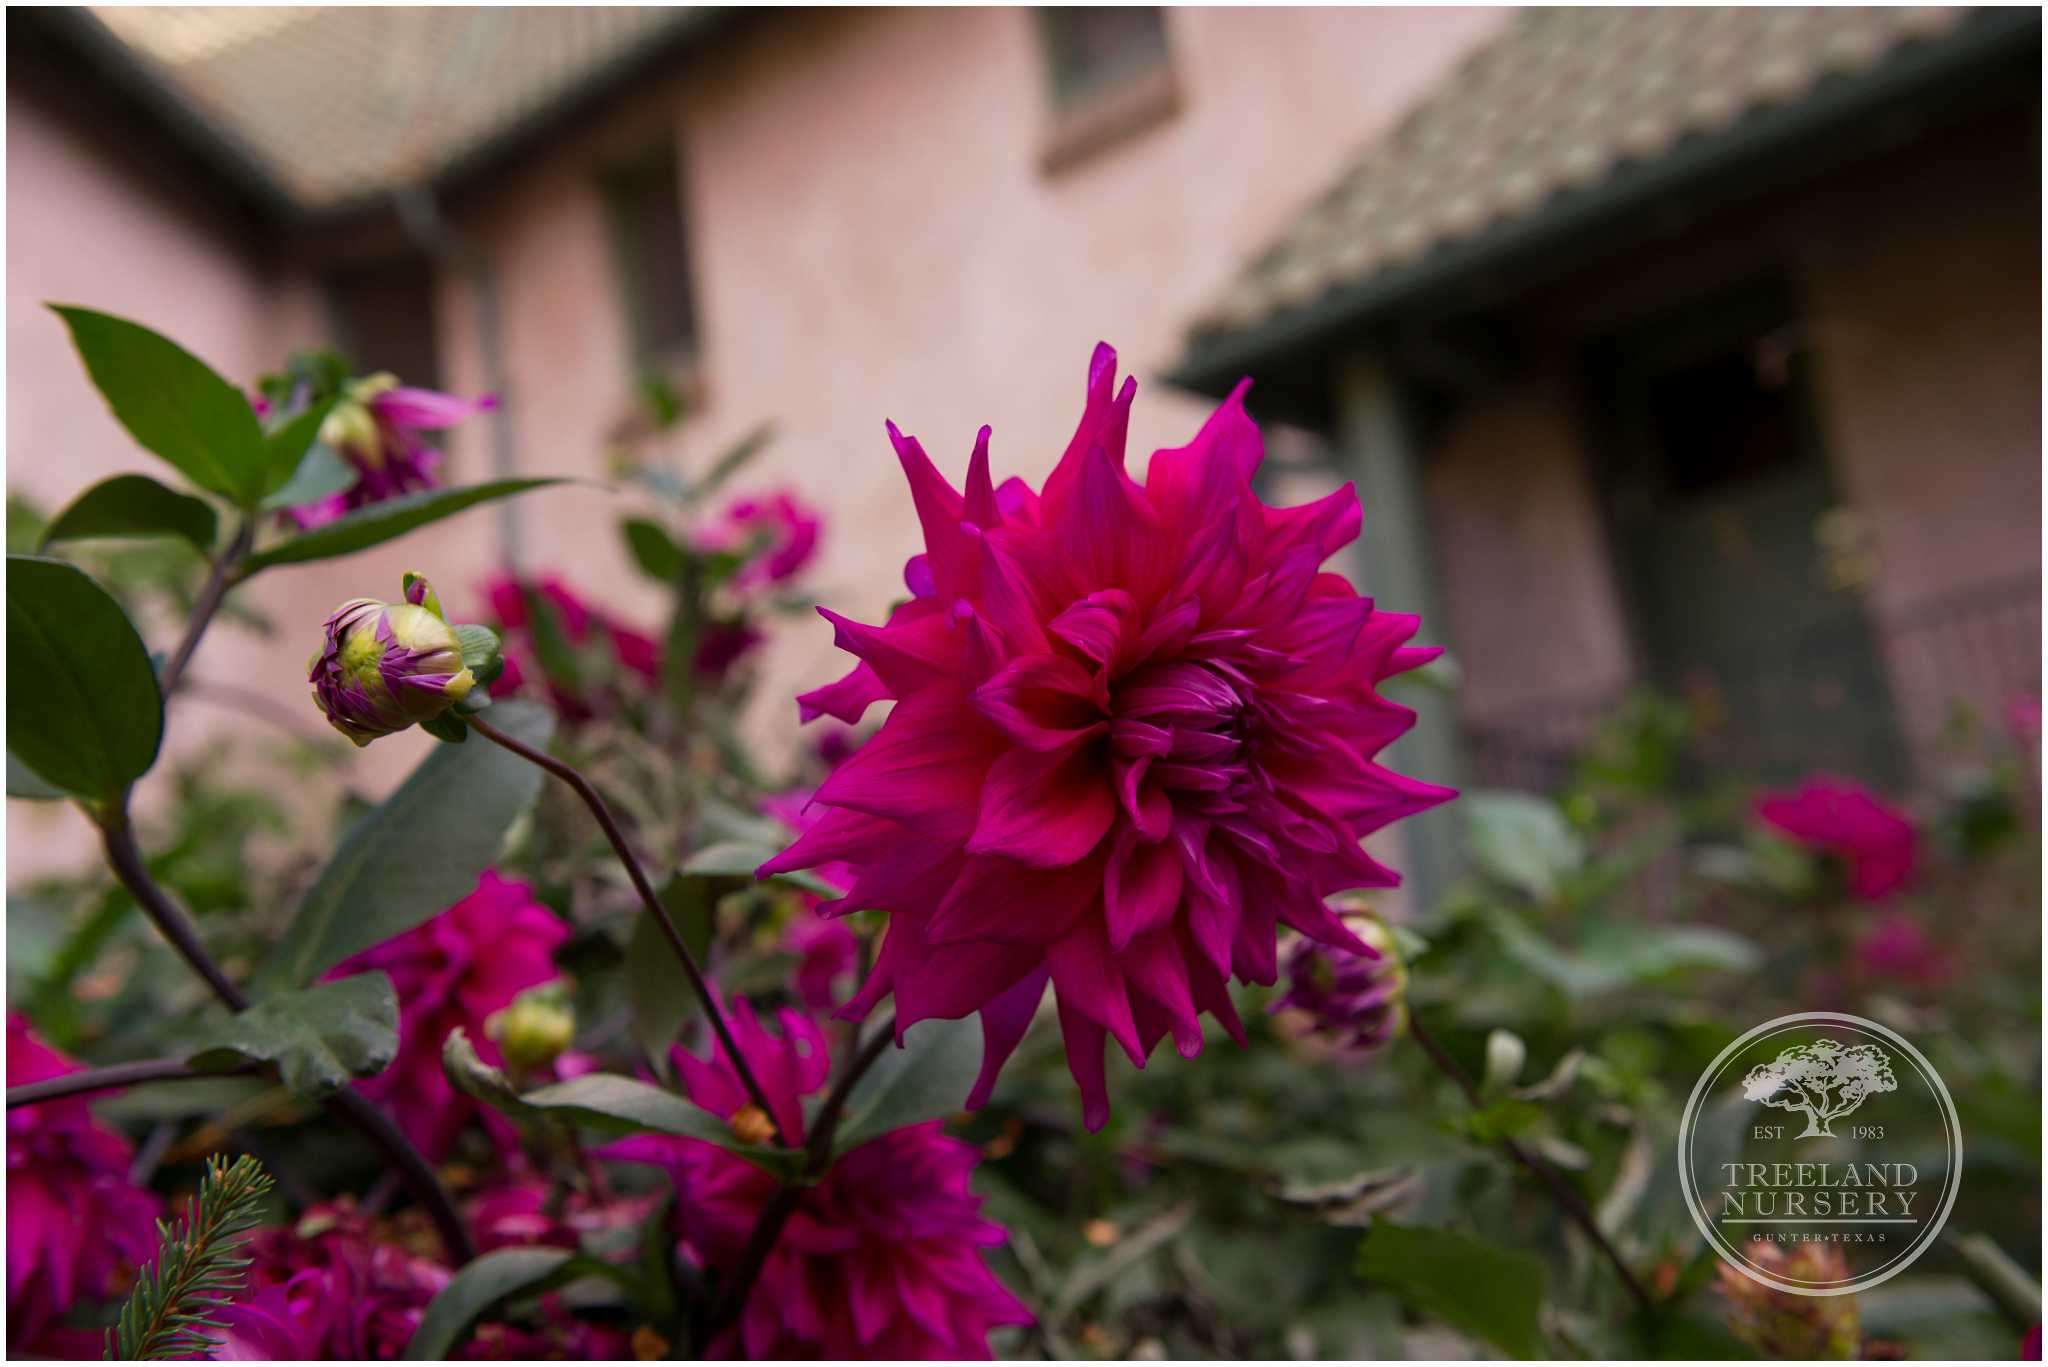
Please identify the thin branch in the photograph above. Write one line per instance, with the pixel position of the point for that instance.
(817, 1159)
(117, 836)
(1562, 1191)
(594, 800)
(218, 580)
(107, 1079)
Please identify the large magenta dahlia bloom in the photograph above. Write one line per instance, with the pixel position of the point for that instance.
(75, 1223)
(1134, 732)
(883, 1256)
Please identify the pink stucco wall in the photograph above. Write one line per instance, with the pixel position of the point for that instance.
(1918, 280)
(872, 238)
(85, 228)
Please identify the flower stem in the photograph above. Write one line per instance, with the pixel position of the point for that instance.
(117, 836)
(817, 1159)
(208, 603)
(594, 800)
(107, 1079)
(1561, 1190)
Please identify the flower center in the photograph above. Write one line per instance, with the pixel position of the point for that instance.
(1196, 724)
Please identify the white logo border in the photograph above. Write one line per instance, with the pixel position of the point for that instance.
(1695, 1102)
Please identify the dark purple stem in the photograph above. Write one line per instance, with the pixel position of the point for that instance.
(594, 800)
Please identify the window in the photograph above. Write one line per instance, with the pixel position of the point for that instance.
(383, 318)
(1109, 74)
(644, 200)
(1088, 49)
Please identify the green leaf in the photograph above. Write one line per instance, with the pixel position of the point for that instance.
(603, 1101)
(1615, 956)
(928, 1077)
(659, 999)
(23, 782)
(173, 404)
(319, 1038)
(381, 522)
(320, 473)
(83, 710)
(416, 853)
(739, 859)
(1489, 1292)
(734, 459)
(481, 1284)
(483, 654)
(1522, 840)
(652, 549)
(285, 450)
(135, 505)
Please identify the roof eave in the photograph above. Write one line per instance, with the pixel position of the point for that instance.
(1214, 362)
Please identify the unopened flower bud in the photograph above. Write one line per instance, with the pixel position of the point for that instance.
(1358, 1001)
(535, 1029)
(385, 666)
(1780, 1324)
(750, 1125)
(351, 426)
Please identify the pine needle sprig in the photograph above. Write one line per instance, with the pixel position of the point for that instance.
(178, 1297)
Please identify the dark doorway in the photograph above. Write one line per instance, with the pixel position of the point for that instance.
(383, 317)
(1742, 570)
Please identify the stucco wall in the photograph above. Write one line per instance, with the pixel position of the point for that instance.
(872, 238)
(1918, 281)
(87, 227)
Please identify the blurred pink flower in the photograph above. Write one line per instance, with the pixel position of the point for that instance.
(2023, 718)
(882, 1258)
(777, 532)
(75, 1223)
(1836, 817)
(1896, 947)
(719, 647)
(1134, 733)
(826, 952)
(376, 427)
(1357, 1001)
(456, 969)
(331, 1288)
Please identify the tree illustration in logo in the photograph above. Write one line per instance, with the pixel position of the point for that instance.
(1825, 1079)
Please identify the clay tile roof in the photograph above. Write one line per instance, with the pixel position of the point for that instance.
(337, 102)
(1559, 101)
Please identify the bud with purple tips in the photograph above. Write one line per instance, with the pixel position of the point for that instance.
(1358, 1001)
(385, 666)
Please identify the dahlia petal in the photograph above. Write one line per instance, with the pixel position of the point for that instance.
(980, 504)
(846, 700)
(996, 899)
(1143, 888)
(1097, 624)
(922, 768)
(1004, 1023)
(1084, 1041)
(915, 648)
(1326, 525)
(838, 834)
(1043, 809)
(949, 550)
(428, 410)
(1042, 702)
(1155, 965)
(1085, 972)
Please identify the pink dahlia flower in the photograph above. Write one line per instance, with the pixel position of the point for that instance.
(883, 1257)
(456, 969)
(75, 1223)
(1134, 733)
(1833, 816)
(1896, 947)
(777, 532)
(376, 427)
(334, 1287)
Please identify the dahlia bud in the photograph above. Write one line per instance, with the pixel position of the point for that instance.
(535, 1029)
(1358, 1002)
(351, 426)
(385, 666)
(1779, 1324)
